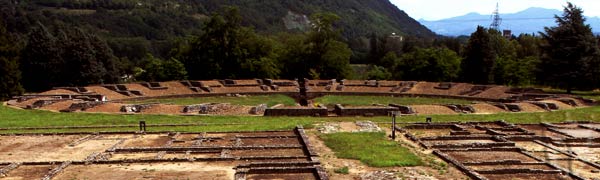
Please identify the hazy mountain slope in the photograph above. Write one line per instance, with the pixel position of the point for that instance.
(531, 20)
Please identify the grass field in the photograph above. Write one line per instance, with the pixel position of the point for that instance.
(369, 100)
(270, 100)
(585, 94)
(11, 117)
(37, 118)
(372, 149)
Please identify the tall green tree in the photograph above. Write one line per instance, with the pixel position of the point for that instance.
(155, 69)
(41, 60)
(104, 54)
(10, 75)
(228, 50)
(570, 52)
(378, 73)
(517, 60)
(432, 64)
(81, 65)
(319, 54)
(72, 57)
(480, 58)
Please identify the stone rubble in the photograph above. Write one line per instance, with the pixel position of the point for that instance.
(328, 128)
(367, 126)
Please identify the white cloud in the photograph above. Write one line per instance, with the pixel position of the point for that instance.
(441, 9)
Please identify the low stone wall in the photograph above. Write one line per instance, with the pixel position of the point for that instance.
(291, 94)
(122, 89)
(299, 111)
(153, 86)
(312, 95)
(136, 108)
(403, 109)
(467, 170)
(82, 106)
(4, 171)
(364, 111)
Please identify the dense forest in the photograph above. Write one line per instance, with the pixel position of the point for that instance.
(49, 43)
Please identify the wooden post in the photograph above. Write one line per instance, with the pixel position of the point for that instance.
(394, 125)
(142, 126)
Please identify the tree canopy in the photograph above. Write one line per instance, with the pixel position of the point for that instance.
(221, 46)
(10, 75)
(480, 58)
(70, 57)
(570, 56)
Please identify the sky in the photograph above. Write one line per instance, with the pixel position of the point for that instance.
(441, 9)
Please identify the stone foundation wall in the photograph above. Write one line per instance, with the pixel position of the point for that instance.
(300, 111)
(364, 111)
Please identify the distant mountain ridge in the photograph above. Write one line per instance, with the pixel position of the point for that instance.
(532, 20)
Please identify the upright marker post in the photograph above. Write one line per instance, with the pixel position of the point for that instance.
(394, 125)
(142, 126)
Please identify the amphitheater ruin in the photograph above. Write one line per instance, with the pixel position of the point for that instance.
(114, 98)
(475, 150)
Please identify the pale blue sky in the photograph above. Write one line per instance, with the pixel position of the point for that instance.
(442, 9)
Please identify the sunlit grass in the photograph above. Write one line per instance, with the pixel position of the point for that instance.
(372, 149)
(10, 117)
(369, 100)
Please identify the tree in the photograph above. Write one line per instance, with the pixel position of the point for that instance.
(570, 52)
(379, 73)
(517, 59)
(319, 54)
(104, 54)
(433, 64)
(155, 69)
(228, 50)
(480, 58)
(529, 46)
(10, 75)
(81, 66)
(72, 57)
(41, 59)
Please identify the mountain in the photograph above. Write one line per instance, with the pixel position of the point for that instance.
(159, 19)
(532, 20)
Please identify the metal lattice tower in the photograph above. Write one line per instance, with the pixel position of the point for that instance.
(496, 20)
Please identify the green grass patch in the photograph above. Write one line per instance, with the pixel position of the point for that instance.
(585, 94)
(372, 149)
(342, 170)
(10, 117)
(368, 100)
(270, 100)
(579, 114)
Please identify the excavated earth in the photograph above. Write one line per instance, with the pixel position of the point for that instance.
(499, 150)
(172, 155)
(114, 98)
